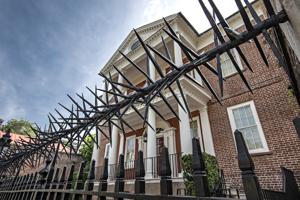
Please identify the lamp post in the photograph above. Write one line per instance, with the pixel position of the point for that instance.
(5, 141)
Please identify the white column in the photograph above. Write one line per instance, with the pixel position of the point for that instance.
(151, 134)
(96, 152)
(185, 130)
(121, 146)
(184, 123)
(114, 145)
(206, 131)
(113, 155)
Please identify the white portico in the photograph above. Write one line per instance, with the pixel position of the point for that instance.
(175, 134)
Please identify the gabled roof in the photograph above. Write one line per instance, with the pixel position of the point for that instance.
(145, 32)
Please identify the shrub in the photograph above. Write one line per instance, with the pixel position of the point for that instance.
(212, 171)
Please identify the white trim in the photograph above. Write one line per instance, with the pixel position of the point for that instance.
(106, 149)
(199, 130)
(134, 137)
(237, 59)
(257, 121)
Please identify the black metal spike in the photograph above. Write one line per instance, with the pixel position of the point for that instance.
(219, 69)
(208, 85)
(225, 25)
(249, 27)
(268, 38)
(137, 67)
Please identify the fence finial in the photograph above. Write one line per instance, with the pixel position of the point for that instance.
(165, 173)
(199, 173)
(140, 174)
(290, 184)
(103, 180)
(119, 184)
(250, 182)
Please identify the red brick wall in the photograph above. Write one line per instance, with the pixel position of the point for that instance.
(275, 109)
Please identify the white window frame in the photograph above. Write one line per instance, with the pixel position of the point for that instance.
(196, 118)
(199, 134)
(106, 149)
(238, 61)
(257, 121)
(127, 138)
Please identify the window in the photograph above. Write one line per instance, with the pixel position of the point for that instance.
(130, 149)
(226, 64)
(107, 150)
(194, 74)
(194, 127)
(244, 118)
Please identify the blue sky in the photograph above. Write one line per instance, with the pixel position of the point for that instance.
(50, 48)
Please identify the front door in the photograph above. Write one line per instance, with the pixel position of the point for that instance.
(159, 148)
(159, 145)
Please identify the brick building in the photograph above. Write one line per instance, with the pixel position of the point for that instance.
(264, 117)
(62, 160)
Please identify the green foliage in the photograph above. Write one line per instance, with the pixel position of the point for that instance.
(18, 126)
(86, 151)
(212, 171)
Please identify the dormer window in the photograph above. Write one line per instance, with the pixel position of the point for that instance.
(135, 45)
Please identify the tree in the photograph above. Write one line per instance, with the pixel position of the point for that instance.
(18, 126)
(86, 151)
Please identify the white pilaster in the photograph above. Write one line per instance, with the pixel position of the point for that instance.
(206, 131)
(114, 145)
(151, 134)
(185, 130)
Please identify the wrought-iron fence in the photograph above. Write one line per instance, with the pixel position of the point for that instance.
(56, 185)
(152, 171)
(69, 131)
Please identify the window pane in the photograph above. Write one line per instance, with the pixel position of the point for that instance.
(194, 128)
(244, 121)
(130, 149)
(226, 64)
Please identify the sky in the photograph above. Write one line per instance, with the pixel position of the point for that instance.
(51, 48)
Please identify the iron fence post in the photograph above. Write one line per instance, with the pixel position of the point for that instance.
(89, 185)
(48, 182)
(54, 184)
(103, 180)
(61, 182)
(165, 173)
(42, 180)
(246, 165)
(119, 184)
(79, 181)
(139, 185)
(199, 172)
(67, 195)
(31, 187)
(290, 184)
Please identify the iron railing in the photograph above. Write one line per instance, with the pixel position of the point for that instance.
(54, 185)
(152, 167)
